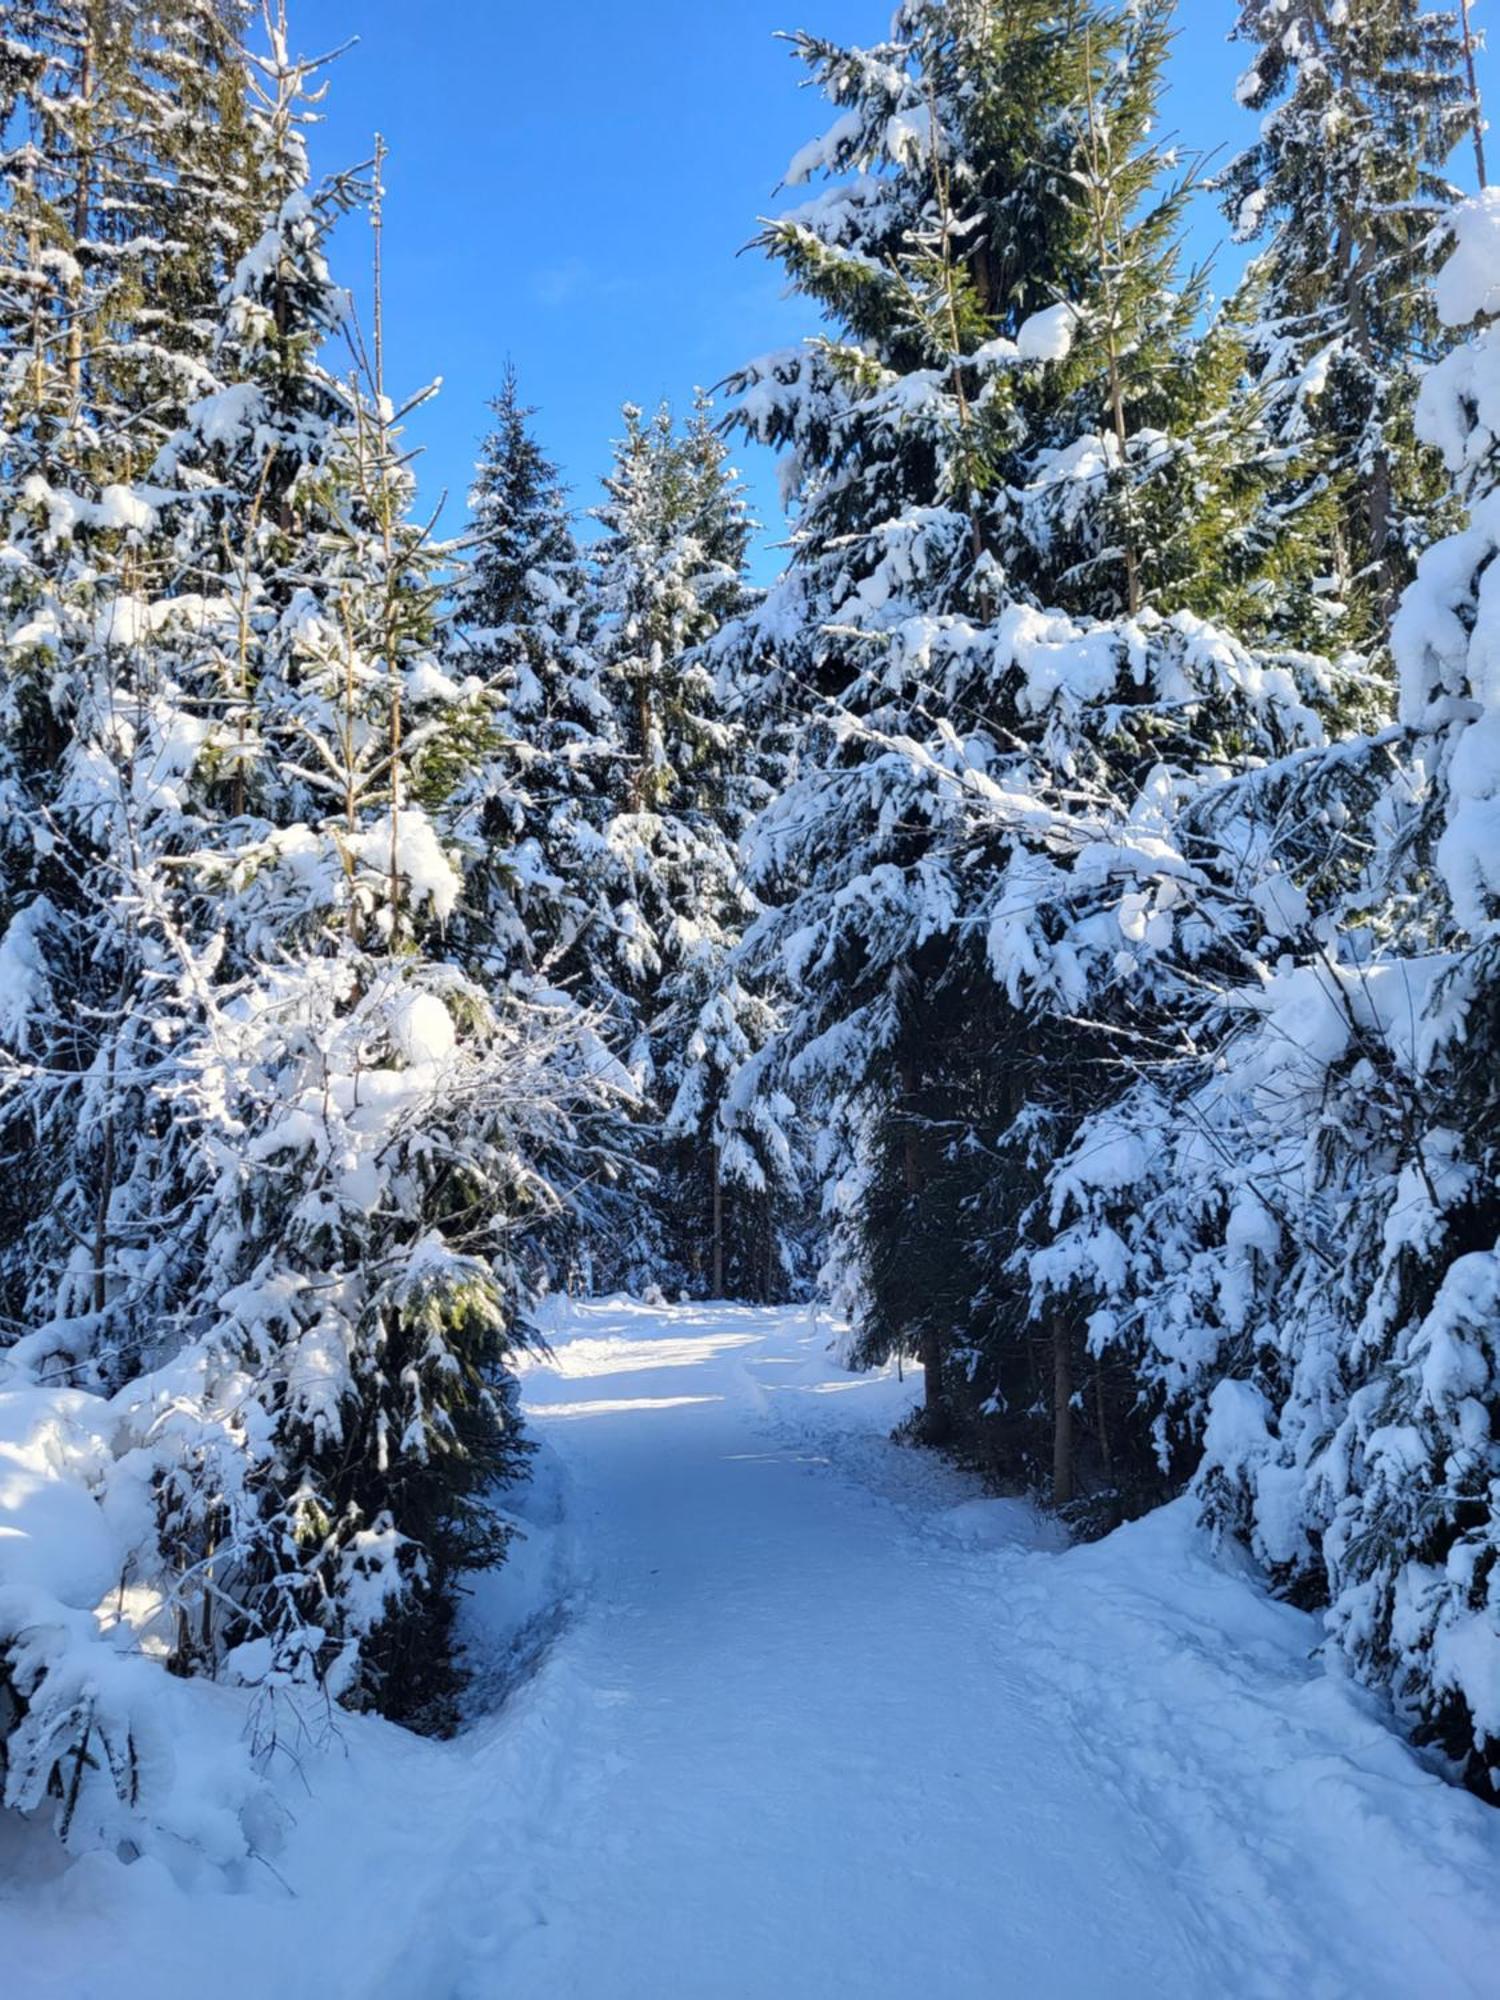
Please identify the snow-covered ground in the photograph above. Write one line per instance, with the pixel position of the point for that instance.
(794, 1712)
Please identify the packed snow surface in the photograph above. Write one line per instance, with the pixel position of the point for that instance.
(784, 1709)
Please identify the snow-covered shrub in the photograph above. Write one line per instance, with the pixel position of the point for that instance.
(95, 1735)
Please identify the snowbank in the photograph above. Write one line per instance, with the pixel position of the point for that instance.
(1260, 1773)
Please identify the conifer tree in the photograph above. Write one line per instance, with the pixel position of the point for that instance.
(1400, 1498)
(1360, 109)
(394, 1113)
(302, 1139)
(730, 1126)
(991, 452)
(669, 571)
(1296, 1239)
(529, 815)
(533, 817)
(120, 220)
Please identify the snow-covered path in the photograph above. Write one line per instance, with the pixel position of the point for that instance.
(827, 1724)
(820, 1721)
(797, 1762)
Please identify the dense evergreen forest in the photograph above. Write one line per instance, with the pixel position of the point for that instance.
(1057, 922)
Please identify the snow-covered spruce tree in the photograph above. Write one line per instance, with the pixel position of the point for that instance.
(1295, 834)
(332, 1129)
(731, 1125)
(731, 1100)
(730, 1141)
(530, 814)
(1183, 1204)
(536, 810)
(118, 224)
(1360, 109)
(1409, 1483)
(1303, 1239)
(376, 1116)
(669, 570)
(114, 244)
(1134, 462)
(964, 857)
(892, 456)
(125, 205)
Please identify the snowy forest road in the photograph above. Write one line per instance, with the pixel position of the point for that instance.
(800, 1763)
(818, 1720)
(829, 1724)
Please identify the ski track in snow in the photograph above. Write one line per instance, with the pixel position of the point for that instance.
(818, 1720)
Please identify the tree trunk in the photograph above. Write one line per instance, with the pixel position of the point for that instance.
(644, 776)
(1477, 111)
(1062, 1410)
(718, 1226)
(1106, 1454)
(1379, 495)
(82, 203)
(106, 1188)
(936, 1417)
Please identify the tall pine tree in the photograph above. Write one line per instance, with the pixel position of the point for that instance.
(999, 456)
(669, 572)
(1360, 109)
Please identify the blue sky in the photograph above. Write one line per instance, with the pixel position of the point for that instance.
(569, 186)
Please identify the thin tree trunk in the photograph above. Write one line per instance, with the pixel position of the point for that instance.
(718, 1225)
(1122, 440)
(82, 196)
(1062, 1410)
(1104, 223)
(937, 1420)
(1477, 112)
(383, 475)
(1381, 508)
(38, 332)
(1106, 1455)
(643, 719)
(936, 1417)
(1379, 503)
(972, 498)
(106, 1191)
